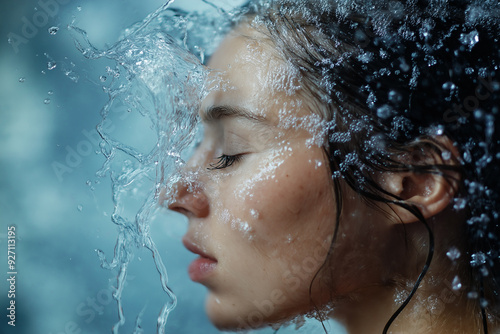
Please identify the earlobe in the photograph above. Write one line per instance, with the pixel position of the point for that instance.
(431, 193)
(431, 190)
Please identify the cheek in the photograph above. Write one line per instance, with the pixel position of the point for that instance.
(295, 199)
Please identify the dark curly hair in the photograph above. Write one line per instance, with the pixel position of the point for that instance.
(393, 75)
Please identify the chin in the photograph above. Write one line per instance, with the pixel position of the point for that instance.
(223, 315)
(228, 316)
(233, 316)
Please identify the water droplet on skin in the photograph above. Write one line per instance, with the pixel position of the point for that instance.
(53, 30)
(79, 207)
(453, 254)
(46, 101)
(254, 213)
(456, 284)
(21, 79)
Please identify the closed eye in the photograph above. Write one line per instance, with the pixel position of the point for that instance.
(225, 161)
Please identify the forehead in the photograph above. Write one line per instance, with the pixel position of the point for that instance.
(253, 75)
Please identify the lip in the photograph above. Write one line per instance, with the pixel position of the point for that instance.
(203, 266)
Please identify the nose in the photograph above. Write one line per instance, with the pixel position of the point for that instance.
(189, 199)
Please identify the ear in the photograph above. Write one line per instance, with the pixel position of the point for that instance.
(431, 191)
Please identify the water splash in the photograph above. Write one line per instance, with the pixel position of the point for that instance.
(53, 30)
(157, 80)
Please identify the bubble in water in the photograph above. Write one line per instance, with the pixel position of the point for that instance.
(456, 284)
(79, 8)
(453, 254)
(53, 30)
(46, 101)
(21, 79)
(103, 78)
(50, 92)
(80, 207)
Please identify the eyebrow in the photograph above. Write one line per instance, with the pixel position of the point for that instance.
(215, 113)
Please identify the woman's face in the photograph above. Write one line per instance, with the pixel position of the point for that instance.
(262, 217)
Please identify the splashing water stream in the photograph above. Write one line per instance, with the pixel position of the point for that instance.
(157, 77)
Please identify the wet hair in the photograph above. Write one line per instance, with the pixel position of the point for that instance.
(390, 77)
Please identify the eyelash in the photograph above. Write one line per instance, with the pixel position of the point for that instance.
(225, 161)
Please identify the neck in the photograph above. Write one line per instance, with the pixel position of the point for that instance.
(439, 309)
(440, 304)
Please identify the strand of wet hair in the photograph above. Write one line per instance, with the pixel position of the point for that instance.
(338, 200)
(483, 311)
(416, 212)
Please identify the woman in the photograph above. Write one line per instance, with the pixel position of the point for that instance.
(348, 167)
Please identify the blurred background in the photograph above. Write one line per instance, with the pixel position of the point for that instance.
(49, 107)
